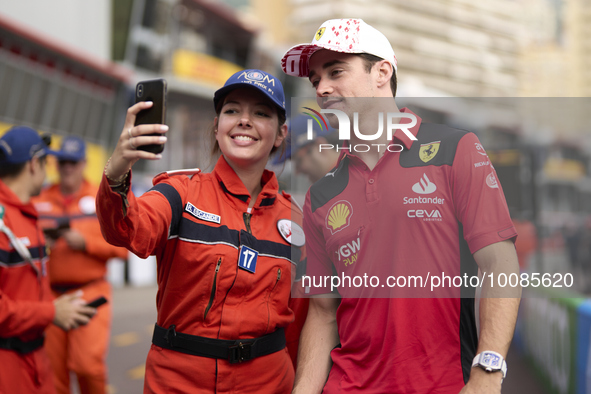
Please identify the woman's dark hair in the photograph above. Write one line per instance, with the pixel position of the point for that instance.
(370, 60)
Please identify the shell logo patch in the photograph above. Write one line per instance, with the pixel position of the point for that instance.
(319, 33)
(339, 216)
(429, 150)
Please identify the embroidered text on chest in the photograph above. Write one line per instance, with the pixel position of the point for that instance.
(199, 214)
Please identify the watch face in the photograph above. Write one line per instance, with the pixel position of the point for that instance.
(491, 360)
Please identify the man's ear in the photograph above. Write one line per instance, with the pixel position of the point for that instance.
(34, 165)
(385, 72)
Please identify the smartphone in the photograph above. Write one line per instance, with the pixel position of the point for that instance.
(56, 232)
(97, 302)
(153, 90)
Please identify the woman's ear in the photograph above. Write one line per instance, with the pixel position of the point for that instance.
(281, 135)
(215, 125)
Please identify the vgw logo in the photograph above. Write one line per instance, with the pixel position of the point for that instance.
(345, 129)
(348, 252)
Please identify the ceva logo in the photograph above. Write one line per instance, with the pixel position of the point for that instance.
(434, 214)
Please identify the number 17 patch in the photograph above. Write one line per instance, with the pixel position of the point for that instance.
(248, 259)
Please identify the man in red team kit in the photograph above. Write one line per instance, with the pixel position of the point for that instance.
(419, 201)
(27, 306)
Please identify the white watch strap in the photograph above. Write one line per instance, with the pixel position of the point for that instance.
(479, 356)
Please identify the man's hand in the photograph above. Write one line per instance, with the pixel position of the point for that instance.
(71, 312)
(482, 382)
(319, 336)
(75, 240)
(49, 242)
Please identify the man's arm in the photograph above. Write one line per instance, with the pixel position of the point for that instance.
(319, 337)
(498, 312)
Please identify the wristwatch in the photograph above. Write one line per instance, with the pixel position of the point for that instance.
(491, 362)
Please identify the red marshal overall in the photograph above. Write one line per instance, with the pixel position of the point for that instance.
(26, 303)
(223, 273)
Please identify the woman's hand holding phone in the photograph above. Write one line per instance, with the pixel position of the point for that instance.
(153, 90)
(143, 133)
(126, 153)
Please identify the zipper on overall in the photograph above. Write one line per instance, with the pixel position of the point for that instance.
(246, 216)
(211, 297)
(269, 298)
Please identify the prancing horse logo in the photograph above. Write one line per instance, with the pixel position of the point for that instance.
(429, 150)
(319, 33)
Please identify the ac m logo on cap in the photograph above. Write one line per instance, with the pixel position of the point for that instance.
(319, 33)
(257, 77)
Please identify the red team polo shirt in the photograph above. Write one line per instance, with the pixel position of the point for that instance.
(422, 211)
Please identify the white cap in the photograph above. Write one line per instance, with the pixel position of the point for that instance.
(339, 35)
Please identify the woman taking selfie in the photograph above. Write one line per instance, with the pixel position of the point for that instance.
(225, 243)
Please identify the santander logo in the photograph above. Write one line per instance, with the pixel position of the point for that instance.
(424, 186)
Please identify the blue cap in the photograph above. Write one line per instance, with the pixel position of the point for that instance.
(73, 149)
(20, 144)
(264, 82)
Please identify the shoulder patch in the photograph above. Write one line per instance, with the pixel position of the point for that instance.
(159, 178)
(189, 172)
(286, 195)
(436, 145)
(166, 174)
(330, 186)
(292, 200)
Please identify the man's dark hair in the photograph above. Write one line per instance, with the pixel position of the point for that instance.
(370, 60)
(8, 170)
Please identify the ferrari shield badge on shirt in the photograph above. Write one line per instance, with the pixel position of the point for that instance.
(429, 150)
(248, 259)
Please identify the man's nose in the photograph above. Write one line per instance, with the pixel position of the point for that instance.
(323, 88)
